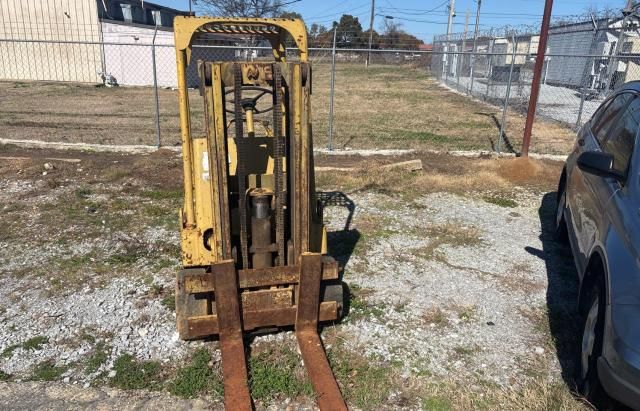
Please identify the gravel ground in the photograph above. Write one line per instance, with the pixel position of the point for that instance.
(494, 281)
(448, 286)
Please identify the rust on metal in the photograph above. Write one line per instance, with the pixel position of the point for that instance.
(200, 282)
(281, 317)
(324, 383)
(234, 362)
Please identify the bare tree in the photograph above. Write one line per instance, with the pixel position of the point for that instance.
(242, 8)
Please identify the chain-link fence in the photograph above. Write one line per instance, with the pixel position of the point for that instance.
(585, 61)
(62, 90)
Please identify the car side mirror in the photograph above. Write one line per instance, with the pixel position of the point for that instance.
(599, 164)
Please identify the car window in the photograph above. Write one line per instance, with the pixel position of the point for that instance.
(604, 120)
(621, 139)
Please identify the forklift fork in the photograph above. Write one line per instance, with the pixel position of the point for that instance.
(234, 364)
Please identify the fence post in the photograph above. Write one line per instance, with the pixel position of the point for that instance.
(155, 85)
(506, 99)
(489, 70)
(470, 89)
(333, 81)
(583, 96)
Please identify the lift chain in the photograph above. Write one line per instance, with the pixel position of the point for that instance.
(278, 154)
(241, 159)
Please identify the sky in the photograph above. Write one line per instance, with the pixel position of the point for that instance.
(426, 18)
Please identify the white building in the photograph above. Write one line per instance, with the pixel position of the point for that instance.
(75, 40)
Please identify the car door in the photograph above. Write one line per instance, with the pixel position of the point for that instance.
(619, 202)
(585, 191)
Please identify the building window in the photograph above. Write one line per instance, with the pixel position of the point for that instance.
(157, 17)
(126, 12)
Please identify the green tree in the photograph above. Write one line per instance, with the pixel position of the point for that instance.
(349, 31)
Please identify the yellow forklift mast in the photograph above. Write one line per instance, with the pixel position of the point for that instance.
(253, 241)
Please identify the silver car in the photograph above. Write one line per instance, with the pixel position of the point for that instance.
(599, 213)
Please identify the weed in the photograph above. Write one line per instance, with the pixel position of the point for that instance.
(452, 234)
(160, 194)
(359, 307)
(47, 371)
(436, 316)
(197, 378)
(156, 289)
(273, 373)
(83, 193)
(364, 382)
(8, 352)
(35, 343)
(169, 301)
(467, 312)
(500, 201)
(435, 404)
(465, 351)
(85, 336)
(98, 358)
(134, 375)
(4, 376)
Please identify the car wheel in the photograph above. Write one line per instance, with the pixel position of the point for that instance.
(590, 350)
(561, 224)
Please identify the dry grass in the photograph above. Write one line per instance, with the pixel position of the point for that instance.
(444, 173)
(518, 278)
(538, 394)
(383, 106)
(435, 316)
(388, 106)
(451, 234)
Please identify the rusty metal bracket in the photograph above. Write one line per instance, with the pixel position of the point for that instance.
(234, 362)
(315, 359)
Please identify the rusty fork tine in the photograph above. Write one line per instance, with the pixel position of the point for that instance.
(234, 362)
(324, 383)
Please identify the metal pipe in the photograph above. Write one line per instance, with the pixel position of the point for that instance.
(155, 84)
(460, 61)
(373, 7)
(508, 94)
(626, 55)
(537, 74)
(475, 42)
(185, 134)
(445, 59)
(261, 232)
(583, 93)
(331, 92)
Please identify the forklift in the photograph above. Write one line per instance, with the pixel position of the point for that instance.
(252, 235)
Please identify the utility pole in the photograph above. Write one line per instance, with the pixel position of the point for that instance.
(373, 10)
(537, 74)
(452, 13)
(475, 41)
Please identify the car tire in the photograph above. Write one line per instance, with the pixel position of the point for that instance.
(587, 380)
(561, 232)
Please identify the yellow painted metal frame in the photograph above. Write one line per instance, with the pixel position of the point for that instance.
(194, 214)
(185, 31)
